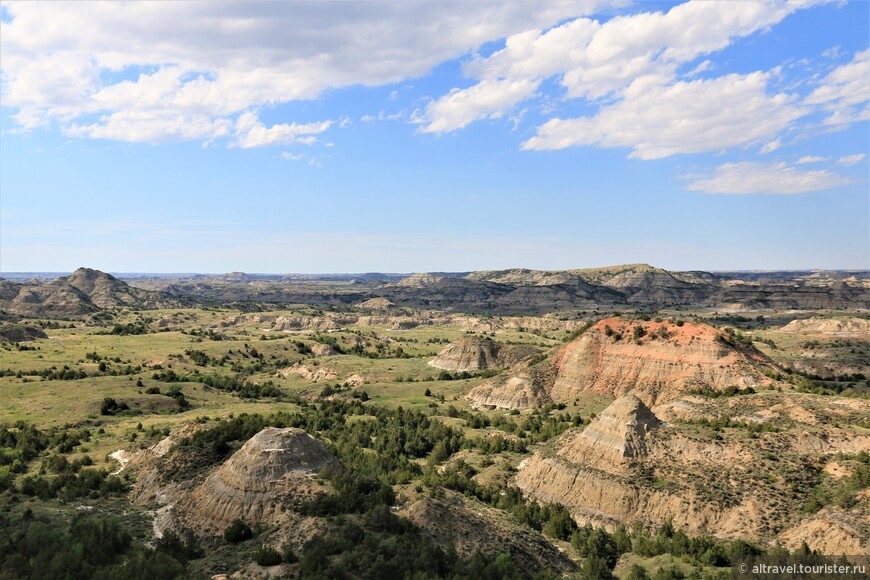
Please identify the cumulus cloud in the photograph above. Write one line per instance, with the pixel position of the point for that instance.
(595, 60)
(487, 99)
(851, 159)
(250, 132)
(138, 71)
(685, 117)
(777, 178)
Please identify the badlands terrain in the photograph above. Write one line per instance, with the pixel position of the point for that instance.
(622, 422)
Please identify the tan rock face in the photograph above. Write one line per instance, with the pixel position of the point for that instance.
(470, 353)
(615, 439)
(312, 373)
(851, 326)
(660, 366)
(513, 393)
(322, 350)
(831, 531)
(261, 481)
(376, 304)
(474, 353)
(626, 466)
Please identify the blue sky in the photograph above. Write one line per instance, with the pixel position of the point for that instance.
(348, 137)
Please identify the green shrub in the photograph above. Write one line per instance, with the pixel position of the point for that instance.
(238, 531)
(267, 556)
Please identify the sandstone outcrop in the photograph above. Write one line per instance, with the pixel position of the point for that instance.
(469, 353)
(616, 439)
(322, 350)
(290, 324)
(851, 326)
(627, 466)
(831, 531)
(376, 304)
(474, 353)
(312, 373)
(658, 363)
(519, 392)
(85, 291)
(262, 483)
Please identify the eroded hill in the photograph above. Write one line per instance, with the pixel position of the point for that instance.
(628, 466)
(657, 361)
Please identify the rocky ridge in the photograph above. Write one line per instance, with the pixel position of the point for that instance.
(656, 361)
(85, 291)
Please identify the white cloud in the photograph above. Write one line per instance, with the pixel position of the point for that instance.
(618, 59)
(597, 60)
(657, 121)
(291, 156)
(778, 178)
(771, 146)
(250, 132)
(487, 99)
(702, 67)
(204, 63)
(845, 92)
(811, 159)
(383, 116)
(851, 159)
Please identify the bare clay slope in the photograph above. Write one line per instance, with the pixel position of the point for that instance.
(260, 481)
(657, 361)
(627, 466)
(474, 353)
(263, 482)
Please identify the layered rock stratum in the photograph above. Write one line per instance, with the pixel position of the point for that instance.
(627, 466)
(475, 353)
(656, 361)
(260, 482)
(264, 482)
(852, 326)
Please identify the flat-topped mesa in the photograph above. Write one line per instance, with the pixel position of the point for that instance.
(419, 280)
(657, 361)
(852, 326)
(260, 481)
(615, 439)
